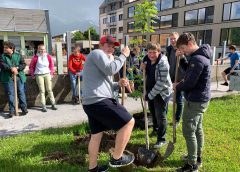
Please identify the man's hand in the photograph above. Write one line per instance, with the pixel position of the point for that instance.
(179, 53)
(14, 70)
(126, 51)
(145, 97)
(143, 66)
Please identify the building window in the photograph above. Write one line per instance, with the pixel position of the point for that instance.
(105, 31)
(166, 4)
(104, 20)
(112, 19)
(155, 38)
(120, 4)
(169, 21)
(120, 29)
(199, 16)
(231, 11)
(163, 39)
(204, 35)
(120, 17)
(113, 31)
(158, 4)
(112, 7)
(231, 35)
(131, 11)
(192, 1)
(130, 27)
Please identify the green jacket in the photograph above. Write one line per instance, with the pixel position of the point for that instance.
(7, 62)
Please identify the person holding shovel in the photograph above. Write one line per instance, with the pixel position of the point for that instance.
(103, 111)
(12, 64)
(75, 67)
(171, 53)
(196, 87)
(159, 90)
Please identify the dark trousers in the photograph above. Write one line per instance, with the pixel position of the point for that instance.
(158, 109)
(9, 88)
(179, 102)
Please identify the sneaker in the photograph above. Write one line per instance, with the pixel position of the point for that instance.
(123, 161)
(102, 168)
(11, 114)
(54, 107)
(159, 144)
(188, 168)
(199, 160)
(44, 109)
(225, 84)
(24, 111)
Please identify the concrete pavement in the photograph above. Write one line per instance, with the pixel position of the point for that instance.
(68, 115)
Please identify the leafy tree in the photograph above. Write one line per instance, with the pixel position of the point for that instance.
(93, 32)
(77, 36)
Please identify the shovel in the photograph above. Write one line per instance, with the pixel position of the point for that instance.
(79, 90)
(145, 155)
(170, 147)
(15, 94)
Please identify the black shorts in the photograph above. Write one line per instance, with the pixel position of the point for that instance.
(105, 115)
(227, 71)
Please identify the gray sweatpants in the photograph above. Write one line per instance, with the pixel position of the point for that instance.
(192, 128)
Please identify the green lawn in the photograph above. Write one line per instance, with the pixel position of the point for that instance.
(24, 153)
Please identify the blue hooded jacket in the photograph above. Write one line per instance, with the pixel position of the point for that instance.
(197, 80)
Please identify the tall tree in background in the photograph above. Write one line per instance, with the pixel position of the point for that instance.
(77, 36)
(94, 35)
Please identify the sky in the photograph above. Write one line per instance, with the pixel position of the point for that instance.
(65, 15)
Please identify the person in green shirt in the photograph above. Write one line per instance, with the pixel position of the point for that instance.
(11, 64)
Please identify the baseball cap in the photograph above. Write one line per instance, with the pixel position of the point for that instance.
(109, 39)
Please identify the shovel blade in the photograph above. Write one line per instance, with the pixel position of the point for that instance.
(146, 156)
(169, 150)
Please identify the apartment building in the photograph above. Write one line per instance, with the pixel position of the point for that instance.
(111, 19)
(211, 21)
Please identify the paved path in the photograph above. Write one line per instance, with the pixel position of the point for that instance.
(67, 115)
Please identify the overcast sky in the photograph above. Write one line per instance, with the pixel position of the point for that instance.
(64, 14)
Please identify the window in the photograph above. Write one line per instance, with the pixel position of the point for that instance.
(192, 1)
(155, 38)
(169, 21)
(204, 35)
(231, 35)
(112, 7)
(120, 29)
(130, 27)
(112, 19)
(166, 4)
(163, 39)
(158, 4)
(105, 31)
(113, 31)
(131, 12)
(156, 23)
(199, 16)
(120, 17)
(231, 11)
(104, 20)
(120, 4)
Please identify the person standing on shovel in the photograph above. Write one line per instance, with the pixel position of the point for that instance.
(103, 111)
(196, 87)
(171, 53)
(159, 90)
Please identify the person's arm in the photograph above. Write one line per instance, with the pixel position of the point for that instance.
(192, 75)
(161, 79)
(4, 65)
(32, 66)
(51, 65)
(70, 65)
(108, 67)
(235, 65)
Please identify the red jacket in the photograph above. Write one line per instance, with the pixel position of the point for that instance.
(33, 64)
(75, 63)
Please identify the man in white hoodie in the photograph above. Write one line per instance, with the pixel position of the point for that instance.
(103, 111)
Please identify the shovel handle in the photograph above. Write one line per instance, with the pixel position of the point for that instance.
(15, 94)
(79, 89)
(124, 76)
(174, 101)
(145, 109)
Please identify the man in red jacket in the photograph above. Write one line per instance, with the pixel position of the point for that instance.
(75, 66)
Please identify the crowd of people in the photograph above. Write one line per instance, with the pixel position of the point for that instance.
(191, 87)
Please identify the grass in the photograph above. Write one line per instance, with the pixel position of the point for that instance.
(24, 153)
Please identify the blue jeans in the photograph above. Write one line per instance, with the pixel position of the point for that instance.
(74, 82)
(9, 88)
(179, 102)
